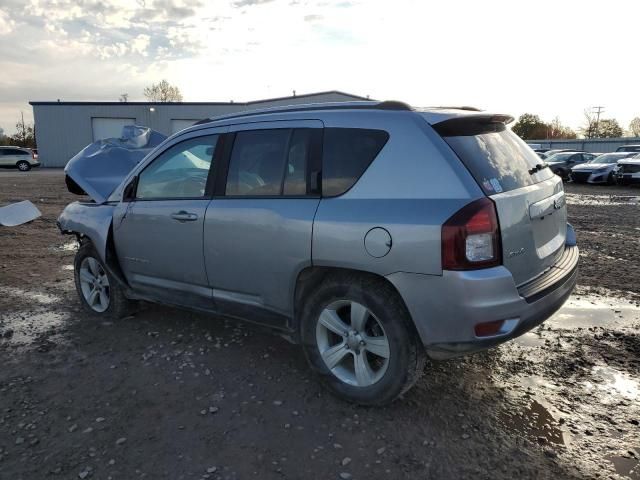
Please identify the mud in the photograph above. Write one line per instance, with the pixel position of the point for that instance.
(172, 394)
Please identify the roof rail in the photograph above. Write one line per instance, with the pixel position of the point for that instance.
(357, 105)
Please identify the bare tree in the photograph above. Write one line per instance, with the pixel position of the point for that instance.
(163, 92)
(634, 127)
(588, 129)
(124, 97)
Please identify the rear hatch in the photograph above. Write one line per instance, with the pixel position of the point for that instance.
(529, 197)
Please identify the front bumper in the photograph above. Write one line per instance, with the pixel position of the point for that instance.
(593, 176)
(628, 178)
(446, 308)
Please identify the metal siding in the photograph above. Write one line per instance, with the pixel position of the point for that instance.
(62, 130)
(594, 145)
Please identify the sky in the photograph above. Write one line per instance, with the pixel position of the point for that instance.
(552, 58)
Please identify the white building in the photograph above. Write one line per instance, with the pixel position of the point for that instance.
(65, 128)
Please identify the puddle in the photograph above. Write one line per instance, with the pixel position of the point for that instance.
(627, 466)
(25, 327)
(613, 383)
(537, 423)
(37, 297)
(602, 200)
(591, 311)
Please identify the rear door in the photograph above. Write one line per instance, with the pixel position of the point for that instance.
(158, 235)
(258, 227)
(529, 198)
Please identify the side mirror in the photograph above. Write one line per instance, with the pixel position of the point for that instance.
(129, 193)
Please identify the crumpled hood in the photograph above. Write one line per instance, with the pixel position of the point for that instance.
(100, 167)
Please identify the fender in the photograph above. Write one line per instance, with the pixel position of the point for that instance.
(90, 220)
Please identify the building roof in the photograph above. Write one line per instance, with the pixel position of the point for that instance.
(253, 102)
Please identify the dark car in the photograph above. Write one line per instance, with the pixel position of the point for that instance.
(629, 148)
(561, 163)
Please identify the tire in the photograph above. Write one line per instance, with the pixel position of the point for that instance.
(23, 166)
(384, 379)
(117, 305)
(611, 179)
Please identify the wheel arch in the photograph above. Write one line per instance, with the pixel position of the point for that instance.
(311, 277)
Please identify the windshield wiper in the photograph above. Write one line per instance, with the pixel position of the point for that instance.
(538, 167)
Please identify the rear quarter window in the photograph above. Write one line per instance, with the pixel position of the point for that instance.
(498, 160)
(346, 154)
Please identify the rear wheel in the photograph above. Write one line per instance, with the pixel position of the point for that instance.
(100, 293)
(357, 334)
(23, 166)
(611, 180)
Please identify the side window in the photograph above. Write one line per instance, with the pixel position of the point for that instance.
(295, 174)
(181, 171)
(257, 162)
(346, 154)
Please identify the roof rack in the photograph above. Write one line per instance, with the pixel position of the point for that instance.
(357, 105)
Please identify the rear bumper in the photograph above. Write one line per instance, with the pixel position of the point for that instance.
(445, 309)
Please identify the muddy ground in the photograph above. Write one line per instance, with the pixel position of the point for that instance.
(171, 394)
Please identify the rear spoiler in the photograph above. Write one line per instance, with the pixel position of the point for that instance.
(469, 125)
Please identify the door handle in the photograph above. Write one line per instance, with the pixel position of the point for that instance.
(183, 216)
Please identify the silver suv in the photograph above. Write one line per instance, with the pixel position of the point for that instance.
(21, 158)
(373, 234)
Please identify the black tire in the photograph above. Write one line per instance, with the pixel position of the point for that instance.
(23, 166)
(119, 305)
(407, 355)
(611, 179)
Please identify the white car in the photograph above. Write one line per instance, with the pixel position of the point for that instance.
(628, 171)
(21, 158)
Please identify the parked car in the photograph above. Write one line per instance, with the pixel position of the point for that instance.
(600, 169)
(561, 163)
(628, 148)
(372, 234)
(628, 171)
(542, 154)
(17, 157)
(560, 150)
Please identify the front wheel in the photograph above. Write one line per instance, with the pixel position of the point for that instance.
(358, 335)
(100, 293)
(23, 166)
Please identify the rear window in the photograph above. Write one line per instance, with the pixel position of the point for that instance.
(499, 160)
(346, 154)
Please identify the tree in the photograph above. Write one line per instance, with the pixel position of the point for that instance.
(588, 129)
(124, 98)
(609, 128)
(25, 135)
(530, 127)
(558, 130)
(634, 127)
(163, 92)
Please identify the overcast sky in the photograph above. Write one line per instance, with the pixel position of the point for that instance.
(550, 57)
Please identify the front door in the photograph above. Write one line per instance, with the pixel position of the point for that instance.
(158, 235)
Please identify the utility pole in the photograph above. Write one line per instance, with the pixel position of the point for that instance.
(598, 111)
(24, 130)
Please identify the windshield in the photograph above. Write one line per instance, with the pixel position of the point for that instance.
(558, 157)
(607, 158)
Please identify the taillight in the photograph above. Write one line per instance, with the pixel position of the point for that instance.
(471, 237)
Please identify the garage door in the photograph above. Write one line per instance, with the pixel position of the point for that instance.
(180, 124)
(109, 127)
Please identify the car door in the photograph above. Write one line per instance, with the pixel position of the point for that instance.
(158, 233)
(258, 227)
(9, 156)
(4, 157)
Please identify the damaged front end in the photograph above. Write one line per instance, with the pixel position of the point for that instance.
(96, 171)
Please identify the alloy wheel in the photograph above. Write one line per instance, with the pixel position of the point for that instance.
(94, 284)
(352, 343)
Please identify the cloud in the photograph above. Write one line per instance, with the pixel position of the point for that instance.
(250, 3)
(312, 18)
